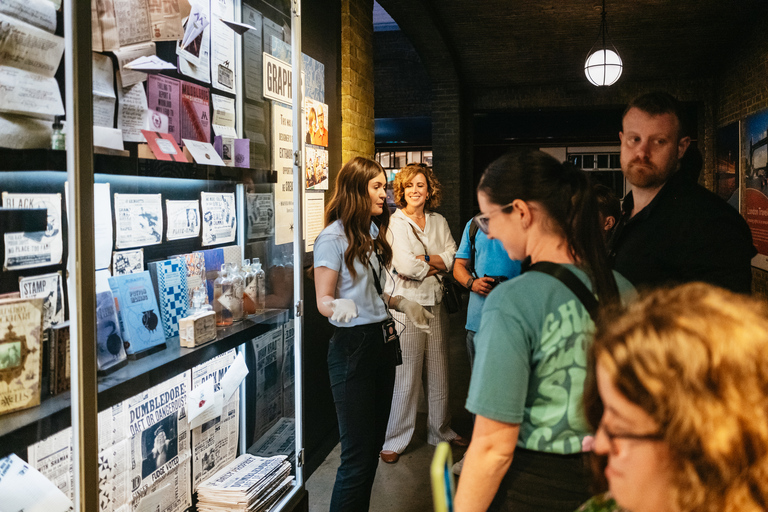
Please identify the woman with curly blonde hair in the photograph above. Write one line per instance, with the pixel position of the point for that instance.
(422, 248)
(683, 378)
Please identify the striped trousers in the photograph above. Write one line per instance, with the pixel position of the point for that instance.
(425, 361)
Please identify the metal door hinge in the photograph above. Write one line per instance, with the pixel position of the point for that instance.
(301, 458)
(297, 158)
(296, 7)
(299, 308)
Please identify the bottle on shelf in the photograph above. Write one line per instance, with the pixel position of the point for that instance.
(261, 288)
(250, 291)
(222, 298)
(238, 284)
(58, 137)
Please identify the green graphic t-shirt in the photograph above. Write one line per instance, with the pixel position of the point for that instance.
(530, 365)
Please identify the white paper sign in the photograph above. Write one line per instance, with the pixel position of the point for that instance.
(35, 249)
(103, 91)
(138, 220)
(223, 72)
(203, 152)
(219, 217)
(24, 488)
(234, 376)
(102, 224)
(261, 215)
(200, 403)
(132, 113)
(29, 48)
(282, 158)
(49, 288)
(223, 120)
(183, 219)
(278, 79)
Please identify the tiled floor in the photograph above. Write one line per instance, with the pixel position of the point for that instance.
(405, 486)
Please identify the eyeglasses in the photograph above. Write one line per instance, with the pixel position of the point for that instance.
(482, 219)
(613, 436)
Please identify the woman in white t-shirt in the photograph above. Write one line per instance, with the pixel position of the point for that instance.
(351, 256)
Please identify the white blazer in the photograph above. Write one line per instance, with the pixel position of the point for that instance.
(408, 241)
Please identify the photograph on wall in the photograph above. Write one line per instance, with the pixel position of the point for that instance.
(261, 215)
(316, 169)
(39, 248)
(138, 220)
(183, 219)
(755, 151)
(727, 163)
(219, 217)
(316, 124)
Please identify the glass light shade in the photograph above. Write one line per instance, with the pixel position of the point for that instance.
(603, 67)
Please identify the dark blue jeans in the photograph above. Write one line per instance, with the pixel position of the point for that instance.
(362, 374)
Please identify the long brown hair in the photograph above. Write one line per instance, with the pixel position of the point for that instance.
(351, 204)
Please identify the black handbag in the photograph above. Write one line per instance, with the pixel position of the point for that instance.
(451, 293)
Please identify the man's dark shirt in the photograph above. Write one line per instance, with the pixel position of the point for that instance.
(685, 234)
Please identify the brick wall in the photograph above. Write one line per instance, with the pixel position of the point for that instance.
(742, 89)
(357, 98)
(403, 87)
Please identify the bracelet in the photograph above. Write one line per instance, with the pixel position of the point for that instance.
(469, 283)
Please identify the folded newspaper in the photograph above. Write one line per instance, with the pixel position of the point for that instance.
(249, 483)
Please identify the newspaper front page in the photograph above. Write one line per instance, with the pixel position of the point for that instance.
(269, 398)
(214, 444)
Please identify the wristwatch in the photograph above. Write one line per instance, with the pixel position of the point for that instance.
(469, 283)
(426, 258)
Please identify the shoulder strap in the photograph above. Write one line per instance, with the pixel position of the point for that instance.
(472, 234)
(570, 280)
(419, 239)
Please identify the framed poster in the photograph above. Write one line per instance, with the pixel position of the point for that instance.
(755, 151)
(727, 163)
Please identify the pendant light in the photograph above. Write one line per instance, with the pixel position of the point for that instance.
(603, 65)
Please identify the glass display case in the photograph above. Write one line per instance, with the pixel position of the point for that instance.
(150, 309)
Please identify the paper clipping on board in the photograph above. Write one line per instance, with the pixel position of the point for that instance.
(39, 13)
(35, 249)
(165, 18)
(223, 116)
(132, 112)
(138, 220)
(183, 219)
(203, 404)
(195, 53)
(24, 488)
(203, 152)
(127, 262)
(29, 48)
(314, 217)
(214, 444)
(223, 72)
(234, 376)
(219, 217)
(103, 91)
(52, 457)
(260, 214)
(26, 93)
(22, 132)
(49, 288)
(132, 21)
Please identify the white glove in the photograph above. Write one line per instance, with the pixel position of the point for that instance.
(416, 313)
(344, 310)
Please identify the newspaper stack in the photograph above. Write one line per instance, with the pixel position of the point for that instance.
(249, 483)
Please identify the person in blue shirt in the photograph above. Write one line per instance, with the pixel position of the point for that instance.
(351, 256)
(480, 274)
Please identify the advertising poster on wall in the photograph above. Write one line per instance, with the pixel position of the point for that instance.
(755, 151)
(282, 158)
(316, 131)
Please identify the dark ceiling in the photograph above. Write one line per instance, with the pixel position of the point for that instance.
(508, 43)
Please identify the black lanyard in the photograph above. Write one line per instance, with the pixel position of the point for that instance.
(377, 277)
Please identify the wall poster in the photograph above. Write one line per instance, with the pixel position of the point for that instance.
(755, 151)
(727, 163)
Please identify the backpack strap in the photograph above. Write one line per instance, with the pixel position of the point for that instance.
(570, 280)
(472, 234)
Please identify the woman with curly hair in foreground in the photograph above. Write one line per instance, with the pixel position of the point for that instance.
(683, 380)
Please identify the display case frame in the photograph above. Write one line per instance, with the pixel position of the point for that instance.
(90, 393)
